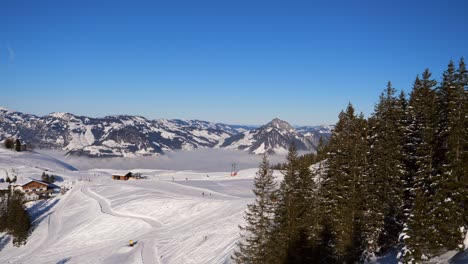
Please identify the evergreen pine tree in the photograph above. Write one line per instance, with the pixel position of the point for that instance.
(45, 177)
(342, 188)
(409, 151)
(295, 215)
(324, 248)
(447, 184)
(284, 220)
(18, 221)
(305, 212)
(459, 150)
(4, 212)
(419, 235)
(253, 246)
(383, 189)
(8, 143)
(322, 150)
(18, 145)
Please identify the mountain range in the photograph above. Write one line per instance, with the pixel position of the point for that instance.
(125, 135)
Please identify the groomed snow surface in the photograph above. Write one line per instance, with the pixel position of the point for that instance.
(173, 216)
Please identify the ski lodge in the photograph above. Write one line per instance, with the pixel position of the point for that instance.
(33, 189)
(126, 177)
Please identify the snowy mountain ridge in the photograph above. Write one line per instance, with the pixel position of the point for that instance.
(314, 133)
(274, 137)
(126, 135)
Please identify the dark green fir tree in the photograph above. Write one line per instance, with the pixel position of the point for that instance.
(253, 246)
(341, 190)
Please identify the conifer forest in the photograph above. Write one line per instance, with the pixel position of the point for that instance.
(396, 180)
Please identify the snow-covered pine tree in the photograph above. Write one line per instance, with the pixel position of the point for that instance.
(384, 188)
(411, 141)
(461, 147)
(419, 234)
(253, 246)
(341, 190)
(448, 187)
(409, 152)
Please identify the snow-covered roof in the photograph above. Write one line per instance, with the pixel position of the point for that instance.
(126, 174)
(24, 181)
(41, 182)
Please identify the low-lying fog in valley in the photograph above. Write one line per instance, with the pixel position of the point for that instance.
(207, 160)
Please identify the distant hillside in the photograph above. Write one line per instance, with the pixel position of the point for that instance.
(123, 135)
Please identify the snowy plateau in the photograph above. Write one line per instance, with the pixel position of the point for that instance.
(130, 136)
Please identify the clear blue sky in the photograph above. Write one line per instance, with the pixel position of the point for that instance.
(242, 62)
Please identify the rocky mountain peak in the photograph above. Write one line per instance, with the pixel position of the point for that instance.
(274, 137)
(61, 115)
(279, 124)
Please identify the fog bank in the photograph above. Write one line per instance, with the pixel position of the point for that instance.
(208, 160)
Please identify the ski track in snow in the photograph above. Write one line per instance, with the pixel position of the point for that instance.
(182, 217)
(107, 209)
(148, 253)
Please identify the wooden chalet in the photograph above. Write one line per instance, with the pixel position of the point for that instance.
(122, 177)
(128, 176)
(35, 186)
(33, 189)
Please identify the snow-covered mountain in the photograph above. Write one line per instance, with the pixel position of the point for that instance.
(274, 137)
(314, 133)
(111, 136)
(123, 135)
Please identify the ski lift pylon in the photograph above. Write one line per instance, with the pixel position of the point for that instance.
(233, 170)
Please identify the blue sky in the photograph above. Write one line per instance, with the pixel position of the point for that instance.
(238, 62)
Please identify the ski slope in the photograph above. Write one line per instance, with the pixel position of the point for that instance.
(167, 215)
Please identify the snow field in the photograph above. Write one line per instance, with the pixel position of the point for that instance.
(167, 215)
